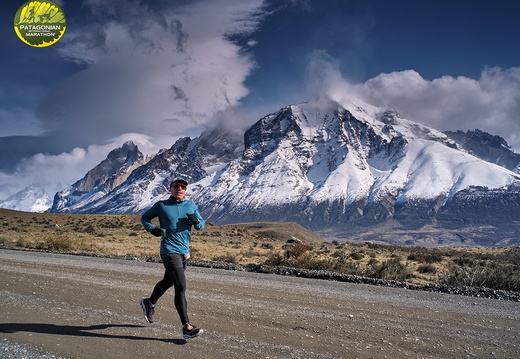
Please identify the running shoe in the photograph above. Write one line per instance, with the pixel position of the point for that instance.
(190, 331)
(148, 309)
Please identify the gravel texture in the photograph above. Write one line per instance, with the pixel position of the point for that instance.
(87, 307)
(13, 350)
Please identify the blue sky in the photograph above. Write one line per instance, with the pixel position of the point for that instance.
(152, 71)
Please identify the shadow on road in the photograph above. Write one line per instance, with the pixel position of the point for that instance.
(79, 331)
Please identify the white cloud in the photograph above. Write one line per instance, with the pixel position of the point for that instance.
(46, 171)
(55, 172)
(157, 69)
(490, 103)
(152, 71)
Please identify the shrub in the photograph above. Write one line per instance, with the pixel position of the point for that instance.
(296, 250)
(275, 259)
(343, 265)
(425, 257)
(427, 268)
(357, 256)
(228, 258)
(463, 261)
(250, 253)
(194, 252)
(58, 243)
(391, 269)
(267, 246)
(479, 273)
(298, 255)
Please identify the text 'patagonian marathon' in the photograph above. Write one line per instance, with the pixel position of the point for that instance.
(40, 27)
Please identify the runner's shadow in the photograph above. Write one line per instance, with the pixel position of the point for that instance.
(79, 331)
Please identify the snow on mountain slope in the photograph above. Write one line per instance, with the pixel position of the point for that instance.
(309, 162)
(193, 159)
(325, 166)
(30, 199)
(430, 169)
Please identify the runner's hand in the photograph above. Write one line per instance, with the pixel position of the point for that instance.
(157, 232)
(193, 218)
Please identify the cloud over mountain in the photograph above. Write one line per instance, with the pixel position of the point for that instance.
(490, 103)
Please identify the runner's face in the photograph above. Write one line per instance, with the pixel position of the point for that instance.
(178, 190)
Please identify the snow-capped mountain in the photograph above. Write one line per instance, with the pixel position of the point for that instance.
(100, 180)
(30, 199)
(149, 182)
(326, 166)
(330, 166)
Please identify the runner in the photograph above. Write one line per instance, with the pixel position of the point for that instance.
(177, 215)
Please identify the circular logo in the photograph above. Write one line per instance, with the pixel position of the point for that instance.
(40, 23)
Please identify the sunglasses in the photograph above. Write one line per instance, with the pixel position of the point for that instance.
(179, 186)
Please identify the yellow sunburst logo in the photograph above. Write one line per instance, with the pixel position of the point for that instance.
(40, 23)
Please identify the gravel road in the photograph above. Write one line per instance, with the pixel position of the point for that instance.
(65, 306)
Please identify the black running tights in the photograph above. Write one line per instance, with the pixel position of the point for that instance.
(174, 265)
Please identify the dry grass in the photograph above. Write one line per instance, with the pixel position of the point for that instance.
(124, 235)
(267, 243)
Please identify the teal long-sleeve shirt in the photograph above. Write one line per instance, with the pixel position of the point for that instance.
(173, 218)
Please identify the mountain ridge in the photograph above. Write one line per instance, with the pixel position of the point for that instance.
(491, 148)
(333, 168)
(355, 173)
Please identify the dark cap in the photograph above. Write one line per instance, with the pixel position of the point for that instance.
(181, 181)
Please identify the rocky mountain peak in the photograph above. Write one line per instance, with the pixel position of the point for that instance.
(103, 178)
(325, 166)
(491, 148)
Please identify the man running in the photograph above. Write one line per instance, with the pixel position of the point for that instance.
(177, 215)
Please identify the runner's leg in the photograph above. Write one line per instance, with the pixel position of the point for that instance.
(175, 265)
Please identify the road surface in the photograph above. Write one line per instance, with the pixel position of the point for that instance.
(84, 307)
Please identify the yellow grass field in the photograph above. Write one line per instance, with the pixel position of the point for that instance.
(265, 243)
